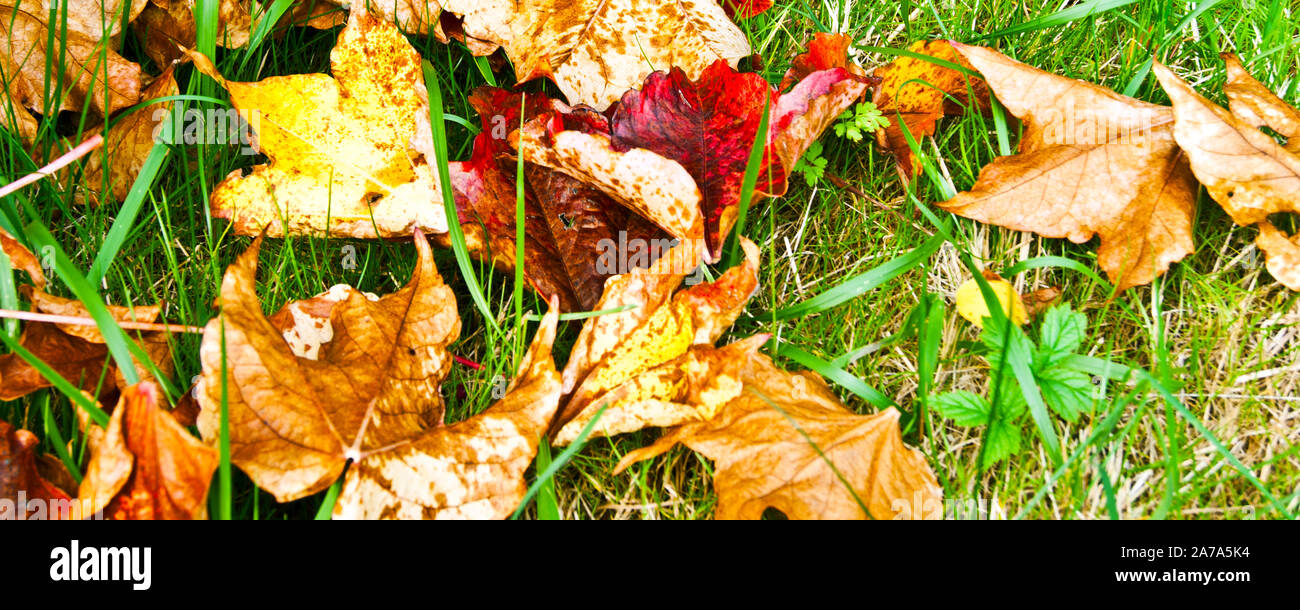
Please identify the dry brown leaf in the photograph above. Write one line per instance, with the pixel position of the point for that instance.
(594, 50)
(144, 465)
(1253, 103)
(1091, 162)
(762, 443)
(636, 366)
(350, 153)
(20, 482)
(87, 70)
(166, 27)
(21, 258)
(656, 188)
(473, 469)
(1243, 168)
(128, 143)
(691, 387)
(296, 420)
(919, 105)
(76, 352)
(92, 18)
(344, 377)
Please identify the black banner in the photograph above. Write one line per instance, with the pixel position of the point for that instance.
(318, 561)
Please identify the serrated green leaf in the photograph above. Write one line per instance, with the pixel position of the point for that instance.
(1067, 392)
(1060, 335)
(963, 408)
(1003, 440)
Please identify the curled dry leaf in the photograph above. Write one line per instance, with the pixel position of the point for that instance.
(167, 27)
(77, 353)
(350, 153)
(645, 369)
(1244, 169)
(594, 50)
(21, 482)
(917, 93)
(473, 469)
(144, 465)
(295, 420)
(128, 144)
(774, 442)
(88, 68)
(1091, 162)
(346, 376)
(574, 230)
(708, 125)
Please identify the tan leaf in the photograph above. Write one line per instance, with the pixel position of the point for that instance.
(88, 69)
(657, 188)
(691, 387)
(21, 258)
(164, 27)
(78, 352)
(129, 143)
(92, 18)
(918, 93)
(145, 465)
(472, 469)
(653, 366)
(1281, 254)
(772, 444)
(1243, 168)
(1091, 162)
(350, 153)
(1253, 103)
(295, 420)
(19, 475)
(594, 50)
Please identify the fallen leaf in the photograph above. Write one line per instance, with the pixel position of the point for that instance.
(1091, 162)
(76, 352)
(296, 420)
(21, 258)
(128, 144)
(773, 446)
(708, 125)
(610, 356)
(1252, 102)
(473, 469)
(573, 230)
(306, 399)
(85, 66)
(594, 50)
(86, 18)
(615, 349)
(972, 306)
(917, 93)
(689, 388)
(1243, 168)
(349, 154)
(144, 465)
(28, 495)
(167, 27)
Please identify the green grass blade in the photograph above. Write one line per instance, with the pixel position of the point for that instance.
(448, 198)
(560, 461)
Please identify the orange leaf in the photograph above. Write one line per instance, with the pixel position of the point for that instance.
(1091, 162)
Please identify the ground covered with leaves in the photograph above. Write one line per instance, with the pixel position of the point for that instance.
(844, 259)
